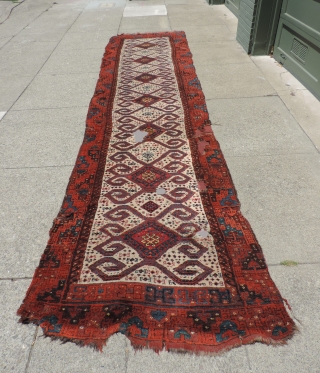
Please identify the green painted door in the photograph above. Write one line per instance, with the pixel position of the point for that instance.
(233, 5)
(297, 45)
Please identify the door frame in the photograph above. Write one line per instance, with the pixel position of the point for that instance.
(266, 25)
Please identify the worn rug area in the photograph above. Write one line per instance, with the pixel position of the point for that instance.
(150, 241)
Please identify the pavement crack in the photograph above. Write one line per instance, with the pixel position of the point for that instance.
(8, 16)
(25, 25)
(120, 23)
(31, 349)
(40, 167)
(248, 358)
(126, 358)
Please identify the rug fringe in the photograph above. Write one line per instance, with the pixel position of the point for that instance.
(139, 344)
(209, 350)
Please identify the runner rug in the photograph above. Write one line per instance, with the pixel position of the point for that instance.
(150, 241)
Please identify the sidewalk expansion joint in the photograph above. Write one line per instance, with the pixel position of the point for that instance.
(298, 264)
(241, 97)
(32, 167)
(15, 278)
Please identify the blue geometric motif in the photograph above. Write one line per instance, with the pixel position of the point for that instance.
(53, 321)
(214, 155)
(138, 323)
(277, 329)
(181, 332)
(225, 326)
(68, 200)
(228, 201)
(201, 107)
(158, 314)
(229, 228)
(89, 138)
(195, 83)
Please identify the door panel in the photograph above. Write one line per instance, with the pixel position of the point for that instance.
(306, 12)
(233, 5)
(297, 45)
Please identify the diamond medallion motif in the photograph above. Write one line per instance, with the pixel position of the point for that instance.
(147, 100)
(151, 239)
(150, 206)
(149, 177)
(145, 60)
(145, 78)
(145, 45)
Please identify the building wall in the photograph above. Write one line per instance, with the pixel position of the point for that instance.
(246, 22)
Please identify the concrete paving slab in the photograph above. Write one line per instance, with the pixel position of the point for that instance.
(142, 30)
(176, 10)
(145, 11)
(190, 2)
(106, 4)
(30, 200)
(16, 339)
(277, 75)
(302, 103)
(280, 197)
(4, 41)
(51, 25)
(97, 20)
(69, 90)
(71, 4)
(222, 10)
(159, 23)
(178, 22)
(306, 109)
(220, 52)
(2, 114)
(11, 28)
(213, 34)
(86, 40)
(34, 35)
(24, 14)
(48, 137)
(229, 19)
(238, 80)
(74, 61)
(270, 130)
(234, 361)
(24, 58)
(53, 357)
(6, 7)
(11, 88)
(56, 17)
(144, 3)
(300, 285)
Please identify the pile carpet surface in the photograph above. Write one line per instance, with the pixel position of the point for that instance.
(150, 241)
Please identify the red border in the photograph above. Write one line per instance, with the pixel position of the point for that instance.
(73, 312)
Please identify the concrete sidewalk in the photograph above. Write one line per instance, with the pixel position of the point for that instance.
(268, 126)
